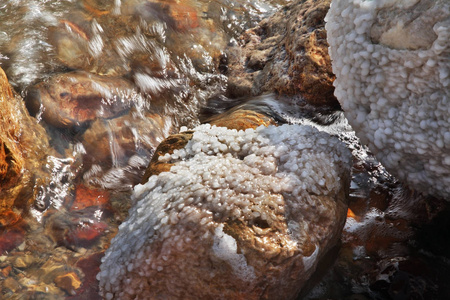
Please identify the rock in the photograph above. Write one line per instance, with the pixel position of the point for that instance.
(392, 66)
(179, 16)
(286, 53)
(72, 99)
(114, 141)
(168, 146)
(9, 217)
(241, 214)
(86, 197)
(117, 151)
(79, 228)
(12, 284)
(12, 236)
(86, 233)
(23, 262)
(68, 282)
(23, 147)
(241, 119)
(5, 271)
(90, 266)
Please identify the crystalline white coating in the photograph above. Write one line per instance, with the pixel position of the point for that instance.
(223, 175)
(309, 261)
(225, 248)
(392, 61)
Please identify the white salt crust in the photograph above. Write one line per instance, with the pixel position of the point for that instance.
(224, 175)
(394, 87)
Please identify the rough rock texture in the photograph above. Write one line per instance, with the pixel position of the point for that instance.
(287, 53)
(391, 59)
(236, 118)
(241, 215)
(23, 147)
(168, 146)
(241, 119)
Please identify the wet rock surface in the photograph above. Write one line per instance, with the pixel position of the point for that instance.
(72, 99)
(110, 142)
(23, 147)
(245, 213)
(389, 248)
(286, 53)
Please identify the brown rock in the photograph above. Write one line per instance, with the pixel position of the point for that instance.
(85, 43)
(85, 234)
(97, 7)
(183, 17)
(8, 217)
(12, 284)
(23, 147)
(173, 142)
(12, 236)
(286, 53)
(115, 140)
(86, 197)
(74, 229)
(5, 271)
(23, 262)
(11, 160)
(68, 282)
(241, 119)
(71, 99)
(90, 266)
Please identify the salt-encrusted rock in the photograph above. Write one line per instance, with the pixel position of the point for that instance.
(286, 53)
(391, 60)
(240, 117)
(241, 215)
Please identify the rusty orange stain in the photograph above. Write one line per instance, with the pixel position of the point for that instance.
(75, 28)
(93, 10)
(351, 214)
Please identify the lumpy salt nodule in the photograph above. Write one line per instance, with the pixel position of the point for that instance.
(392, 61)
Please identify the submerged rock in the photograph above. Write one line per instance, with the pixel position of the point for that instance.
(72, 99)
(113, 141)
(286, 53)
(241, 214)
(391, 61)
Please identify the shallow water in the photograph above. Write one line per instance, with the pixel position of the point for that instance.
(149, 66)
(108, 81)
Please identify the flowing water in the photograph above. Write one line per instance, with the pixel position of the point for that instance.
(137, 71)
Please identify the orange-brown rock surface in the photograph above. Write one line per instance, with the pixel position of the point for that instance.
(23, 148)
(241, 119)
(286, 53)
(74, 98)
(116, 140)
